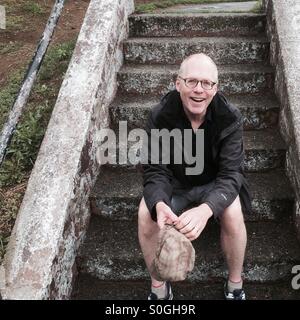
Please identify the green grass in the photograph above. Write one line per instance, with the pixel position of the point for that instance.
(3, 243)
(10, 47)
(25, 144)
(14, 22)
(33, 8)
(258, 7)
(10, 201)
(26, 141)
(8, 94)
(150, 7)
(20, 12)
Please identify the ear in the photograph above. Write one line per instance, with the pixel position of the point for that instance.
(177, 84)
(215, 89)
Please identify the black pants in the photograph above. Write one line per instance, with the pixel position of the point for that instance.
(184, 199)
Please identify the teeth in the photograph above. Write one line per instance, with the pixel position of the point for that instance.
(197, 100)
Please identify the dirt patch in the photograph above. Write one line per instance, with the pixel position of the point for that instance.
(27, 34)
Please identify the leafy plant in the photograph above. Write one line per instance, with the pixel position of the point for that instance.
(26, 141)
(33, 8)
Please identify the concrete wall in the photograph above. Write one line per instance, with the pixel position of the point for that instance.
(283, 28)
(40, 261)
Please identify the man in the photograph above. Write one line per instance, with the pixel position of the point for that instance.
(187, 201)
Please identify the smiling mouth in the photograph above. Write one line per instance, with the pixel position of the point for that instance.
(197, 99)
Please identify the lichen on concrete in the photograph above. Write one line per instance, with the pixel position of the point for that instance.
(283, 26)
(51, 223)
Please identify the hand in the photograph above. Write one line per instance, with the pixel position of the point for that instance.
(192, 222)
(164, 214)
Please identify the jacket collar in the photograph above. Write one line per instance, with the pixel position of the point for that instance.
(173, 116)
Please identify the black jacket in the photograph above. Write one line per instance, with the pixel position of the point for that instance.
(227, 154)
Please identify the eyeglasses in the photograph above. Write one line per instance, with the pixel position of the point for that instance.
(192, 83)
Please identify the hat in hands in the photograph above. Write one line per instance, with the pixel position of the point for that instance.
(175, 256)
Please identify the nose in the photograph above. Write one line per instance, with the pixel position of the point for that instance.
(198, 87)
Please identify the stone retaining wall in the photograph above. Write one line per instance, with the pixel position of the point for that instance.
(283, 29)
(51, 223)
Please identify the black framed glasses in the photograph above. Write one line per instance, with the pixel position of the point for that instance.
(192, 83)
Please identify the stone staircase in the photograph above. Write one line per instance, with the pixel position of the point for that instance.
(110, 263)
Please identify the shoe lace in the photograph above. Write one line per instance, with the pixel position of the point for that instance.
(238, 294)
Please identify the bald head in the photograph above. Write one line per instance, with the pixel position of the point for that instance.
(199, 61)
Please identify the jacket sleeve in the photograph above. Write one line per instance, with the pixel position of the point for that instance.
(230, 175)
(157, 177)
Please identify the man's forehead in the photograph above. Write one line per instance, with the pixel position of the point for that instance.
(198, 67)
(200, 63)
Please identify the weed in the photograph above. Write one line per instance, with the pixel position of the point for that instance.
(10, 47)
(25, 144)
(57, 59)
(10, 201)
(3, 244)
(33, 8)
(8, 94)
(14, 22)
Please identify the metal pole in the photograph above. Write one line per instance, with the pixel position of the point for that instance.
(29, 79)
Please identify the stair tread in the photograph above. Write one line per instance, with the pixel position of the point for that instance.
(263, 140)
(266, 241)
(197, 24)
(200, 15)
(164, 40)
(120, 182)
(240, 101)
(112, 247)
(236, 78)
(88, 287)
(172, 50)
(268, 140)
(259, 111)
(173, 69)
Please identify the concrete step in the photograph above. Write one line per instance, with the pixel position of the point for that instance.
(174, 50)
(88, 287)
(196, 25)
(264, 150)
(118, 191)
(245, 6)
(157, 79)
(111, 252)
(259, 111)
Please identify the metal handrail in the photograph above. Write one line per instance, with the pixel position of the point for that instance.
(29, 79)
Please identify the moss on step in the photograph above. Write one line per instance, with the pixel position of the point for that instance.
(151, 6)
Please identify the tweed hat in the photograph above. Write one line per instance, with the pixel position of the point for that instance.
(175, 256)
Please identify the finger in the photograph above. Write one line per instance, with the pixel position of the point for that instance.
(182, 222)
(188, 228)
(160, 221)
(170, 221)
(193, 235)
(161, 224)
(172, 217)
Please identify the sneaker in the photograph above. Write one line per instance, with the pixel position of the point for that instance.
(169, 296)
(237, 294)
